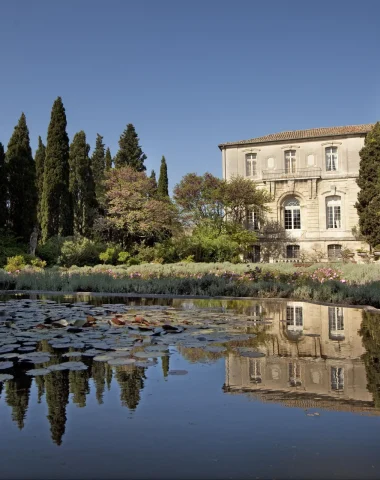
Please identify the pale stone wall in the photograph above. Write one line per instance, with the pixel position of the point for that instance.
(312, 192)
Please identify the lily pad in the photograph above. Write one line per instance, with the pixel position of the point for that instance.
(150, 354)
(5, 376)
(6, 365)
(215, 349)
(178, 372)
(103, 358)
(72, 354)
(38, 371)
(121, 361)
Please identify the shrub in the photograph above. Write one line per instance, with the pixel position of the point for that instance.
(123, 257)
(80, 252)
(15, 264)
(9, 247)
(50, 251)
(110, 256)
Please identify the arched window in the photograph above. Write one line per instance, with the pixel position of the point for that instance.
(292, 214)
(331, 154)
(250, 164)
(290, 161)
(333, 212)
(334, 251)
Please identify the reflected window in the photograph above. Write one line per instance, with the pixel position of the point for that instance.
(294, 317)
(337, 378)
(336, 323)
(290, 161)
(255, 370)
(295, 374)
(292, 214)
(250, 165)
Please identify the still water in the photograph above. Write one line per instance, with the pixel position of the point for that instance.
(307, 406)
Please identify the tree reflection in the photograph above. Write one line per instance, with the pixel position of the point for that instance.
(370, 332)
(79, 386)
(131, 381)
(17, 396)
(57, 397)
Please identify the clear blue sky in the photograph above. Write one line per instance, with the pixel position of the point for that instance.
(188, 75)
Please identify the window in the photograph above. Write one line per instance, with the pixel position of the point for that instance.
(294, 317)
(252, 220)
(292, 251)
(290, 161)
(256, 254)
(334, 251)
(331, 154)
(337, 378)
(336, 323)
(333, 212)
(295, 374)
(250, 165)
(255, 370)
(292, 214)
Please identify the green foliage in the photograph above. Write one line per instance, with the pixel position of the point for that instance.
(98, 166)
(80, 251)
(3, 189)
(124, 257)
(50, 251)
(10, 247)
(57, 208)
(163, 181)
(154, 183)
(110, 256)
(19, 262)
(130, 153)
(108, 160)
(370, 332)
(21, 177)
(40, 165)
(81, 186)
(368, 204)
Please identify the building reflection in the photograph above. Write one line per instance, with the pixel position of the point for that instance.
(316, 357)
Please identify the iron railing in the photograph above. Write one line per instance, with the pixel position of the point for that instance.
(300, 173)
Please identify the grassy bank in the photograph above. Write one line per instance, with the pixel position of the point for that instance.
(348, 284)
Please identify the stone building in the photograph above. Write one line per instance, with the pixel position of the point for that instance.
(311, 175)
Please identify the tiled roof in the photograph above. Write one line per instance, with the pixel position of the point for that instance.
(305, 134)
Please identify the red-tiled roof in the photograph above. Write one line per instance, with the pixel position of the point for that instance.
(305, 134)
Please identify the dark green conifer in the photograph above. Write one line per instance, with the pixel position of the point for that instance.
(165, 365)
(21, 171)
(57, 398)
(57, 208)
(368, 204)
(108, 160)
(130, 152)
(82, 187)
(163, 182)
(40, 164)
(154, 180)
(3, 189)
(98, 167)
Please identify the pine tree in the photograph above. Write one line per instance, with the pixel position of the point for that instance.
(108, 160)
(3, 189)
(57, 398)
(163, 182)
(368, 204)
(130, 152)
(21, 177)
(165, 365)
(154, 180)
(57, 210)
(82, 187)
(40, 164)
(98, 166)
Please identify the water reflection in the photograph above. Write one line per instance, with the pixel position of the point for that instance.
(315, 356)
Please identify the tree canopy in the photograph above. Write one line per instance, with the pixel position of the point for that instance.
(130, 153)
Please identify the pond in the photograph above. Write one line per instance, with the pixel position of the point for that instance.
(112, 387)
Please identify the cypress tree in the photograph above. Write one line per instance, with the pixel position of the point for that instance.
(40, 164)
(82, 187)
(57, 211)
(368, 204)
(3, 189)
(130, 152)
(21, 177)
(108, 160)
(154, 180)
(163, 182)
(98, 166)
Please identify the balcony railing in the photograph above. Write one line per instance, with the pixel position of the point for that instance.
(300, 173)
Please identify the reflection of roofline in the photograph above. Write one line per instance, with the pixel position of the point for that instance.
(306, 400)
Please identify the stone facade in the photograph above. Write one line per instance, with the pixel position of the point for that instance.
(311, 175)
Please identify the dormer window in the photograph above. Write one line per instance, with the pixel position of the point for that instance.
(250, 164)
(331, 154)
